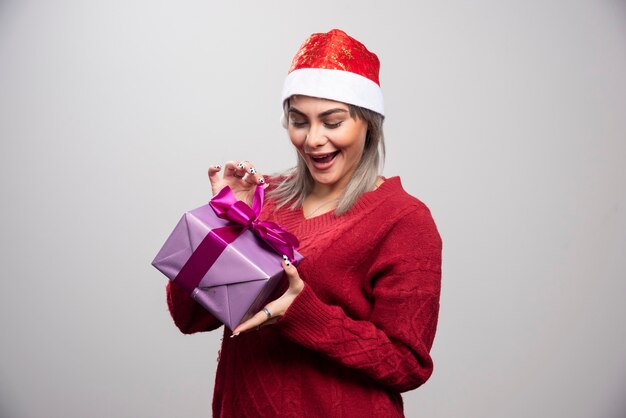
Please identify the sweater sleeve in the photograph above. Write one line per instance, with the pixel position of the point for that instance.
(392, 346)
(187, 314)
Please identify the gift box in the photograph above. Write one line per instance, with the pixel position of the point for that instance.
(225, 258)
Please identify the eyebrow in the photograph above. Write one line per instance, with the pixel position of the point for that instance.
(321, 115)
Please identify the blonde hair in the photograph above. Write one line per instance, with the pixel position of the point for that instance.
(298, 183)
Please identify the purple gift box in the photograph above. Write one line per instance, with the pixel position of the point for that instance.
(227, 260)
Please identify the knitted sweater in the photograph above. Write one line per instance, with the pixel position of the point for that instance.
(360, 331)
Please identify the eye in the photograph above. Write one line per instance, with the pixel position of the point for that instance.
(332, 125)
(298, 123)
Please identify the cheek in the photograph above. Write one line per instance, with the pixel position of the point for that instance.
(353, 137)
(297, 138)
(353, 143)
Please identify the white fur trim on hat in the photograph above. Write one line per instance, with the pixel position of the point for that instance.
(337, 85)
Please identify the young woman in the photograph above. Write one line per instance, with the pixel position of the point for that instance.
(356, 324)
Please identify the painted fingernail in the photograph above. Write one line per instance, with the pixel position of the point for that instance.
(286, 259)
(240, 165)
(262, 180)
(252, 170)
(219, 167)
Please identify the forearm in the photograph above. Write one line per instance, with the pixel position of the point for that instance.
(401, 362)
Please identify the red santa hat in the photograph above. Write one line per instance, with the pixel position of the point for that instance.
(337, 67)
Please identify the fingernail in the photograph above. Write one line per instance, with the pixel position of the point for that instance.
(240, 165)
(287, 262)
(234, 335)
(262, 180)
(219, 167)
(252, 170)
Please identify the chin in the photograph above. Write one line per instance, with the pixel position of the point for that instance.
(325, 178)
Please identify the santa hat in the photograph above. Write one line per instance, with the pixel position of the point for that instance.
(337, 67)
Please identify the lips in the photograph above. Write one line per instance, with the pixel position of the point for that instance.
(322, 162)
(324, 158)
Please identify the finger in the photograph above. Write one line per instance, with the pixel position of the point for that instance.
(290, 270)
(295, 281)
(256, 328)
(233, 169)
(271, 321)
(256, 321)
(240, 171)
(214, 176)
(252, 176)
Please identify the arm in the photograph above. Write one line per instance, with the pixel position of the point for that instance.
(187, 314)
(392, 346)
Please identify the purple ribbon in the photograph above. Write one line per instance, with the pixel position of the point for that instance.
(226, 206)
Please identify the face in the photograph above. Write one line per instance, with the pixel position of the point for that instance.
(329, 140)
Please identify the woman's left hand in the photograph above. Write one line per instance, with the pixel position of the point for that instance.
(278, 307)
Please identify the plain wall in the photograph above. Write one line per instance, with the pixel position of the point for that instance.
(507, 118)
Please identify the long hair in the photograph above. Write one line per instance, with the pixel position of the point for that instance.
(297, 182)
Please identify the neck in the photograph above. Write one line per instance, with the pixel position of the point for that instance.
(329, 191)
(326, 193)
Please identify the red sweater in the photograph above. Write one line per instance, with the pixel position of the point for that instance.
(358, 334)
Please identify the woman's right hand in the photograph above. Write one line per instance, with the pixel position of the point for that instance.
(240, 176)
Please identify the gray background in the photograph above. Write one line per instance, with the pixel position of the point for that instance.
(506, 117)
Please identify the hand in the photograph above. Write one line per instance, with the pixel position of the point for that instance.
(278, 307)
(240, 176)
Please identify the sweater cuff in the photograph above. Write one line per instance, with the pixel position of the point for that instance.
(308, 319)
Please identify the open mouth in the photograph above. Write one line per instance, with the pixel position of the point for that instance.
(325, 158)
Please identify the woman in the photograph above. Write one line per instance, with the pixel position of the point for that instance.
(355, 326)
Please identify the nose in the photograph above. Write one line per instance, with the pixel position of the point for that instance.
(315, 137)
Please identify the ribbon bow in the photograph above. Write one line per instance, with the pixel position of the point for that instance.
(226, 206)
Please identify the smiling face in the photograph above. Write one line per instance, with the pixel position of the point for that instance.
(329, 140)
